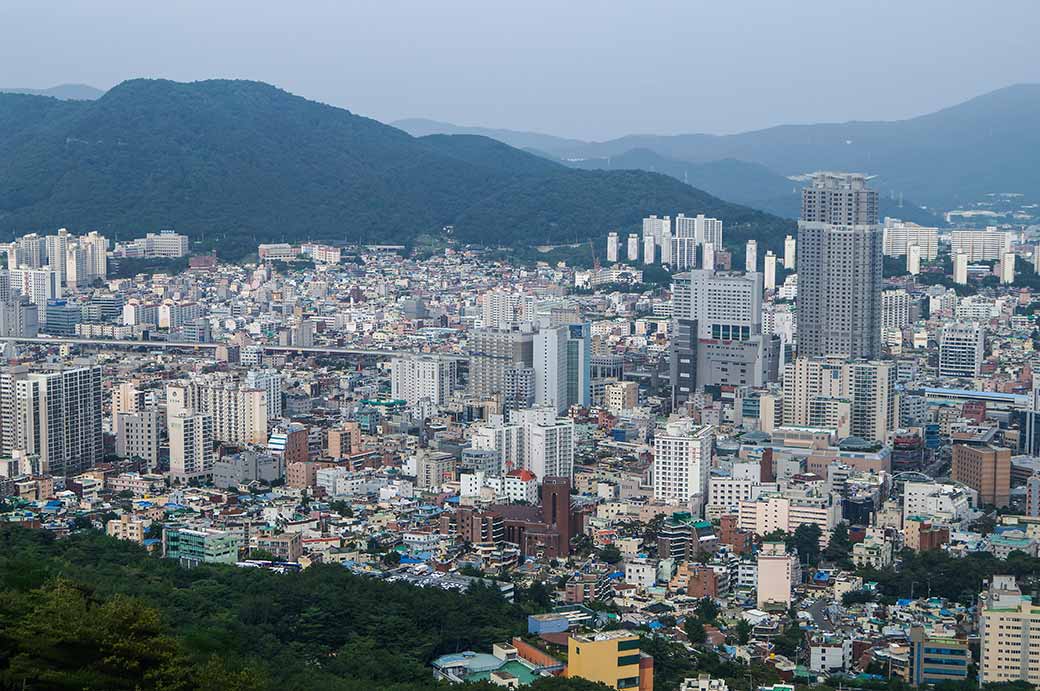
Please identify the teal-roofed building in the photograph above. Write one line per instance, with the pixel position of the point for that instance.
(502, 667)
(194, 547)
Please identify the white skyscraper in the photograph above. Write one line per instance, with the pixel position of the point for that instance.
(789, 253)
(649, 249)
(633, 247)
(895, 308)
(547, 442)
(612, 246)
(191, 445)
(708, 258)
(961, 349)
(960, 268)
(95, 249)
(75, 267)
(913, 259)
(691, 233)
(839, 268)
(898, 236)
(550, 449)
(239, 413)
(269, 380)
(1007, 268)
(666, 247)
(30, 252)
(682, 461)
(751, 256)
(137, 435)
(980, 245)
(769, 272)
(504, 309)
(39, 285)
(55, 415)
(699, 228)
(417, 377)
(657, 228)
(57, 245)
(1036, 258)
(550, 368)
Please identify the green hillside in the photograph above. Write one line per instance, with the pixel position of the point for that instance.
(91, 612)
(233, 163)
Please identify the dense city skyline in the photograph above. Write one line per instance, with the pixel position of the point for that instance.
(292, 398)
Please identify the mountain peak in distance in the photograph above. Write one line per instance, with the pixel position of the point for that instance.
(64, 92)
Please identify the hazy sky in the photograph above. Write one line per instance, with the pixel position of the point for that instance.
(581, 68)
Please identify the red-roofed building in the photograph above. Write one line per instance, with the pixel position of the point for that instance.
(521, 485)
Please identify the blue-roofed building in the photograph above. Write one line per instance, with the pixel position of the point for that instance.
(994, 400)
(554, 622)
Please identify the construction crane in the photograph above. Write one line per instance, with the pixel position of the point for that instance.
(595, 259)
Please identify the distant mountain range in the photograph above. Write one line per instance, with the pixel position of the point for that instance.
(66, 92)
(233, 163)
(944, 159)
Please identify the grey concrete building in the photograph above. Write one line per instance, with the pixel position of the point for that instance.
(248, 466)
(839, 268)
(492, 352)
(717, 332)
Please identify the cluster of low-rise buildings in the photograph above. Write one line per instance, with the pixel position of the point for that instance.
(636, 449)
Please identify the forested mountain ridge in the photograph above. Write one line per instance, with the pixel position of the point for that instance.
(236, 163)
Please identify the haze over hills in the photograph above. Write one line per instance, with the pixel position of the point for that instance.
(942, 159)
(742, 182)
(237, 162)
(67, 92)
(547, 143)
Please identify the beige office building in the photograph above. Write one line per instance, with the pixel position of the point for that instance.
(619, 396)
(191, 446)
(986, 469)
(776, 575)
(814, 388)
(1009, 633)
(239, 412)
(137, 435)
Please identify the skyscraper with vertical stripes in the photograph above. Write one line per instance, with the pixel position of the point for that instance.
(839, 268)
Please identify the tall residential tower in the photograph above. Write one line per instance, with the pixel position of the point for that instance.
(839, 268)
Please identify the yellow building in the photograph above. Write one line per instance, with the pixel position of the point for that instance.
(1009, 629)
(128, 527)
(612, 658)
